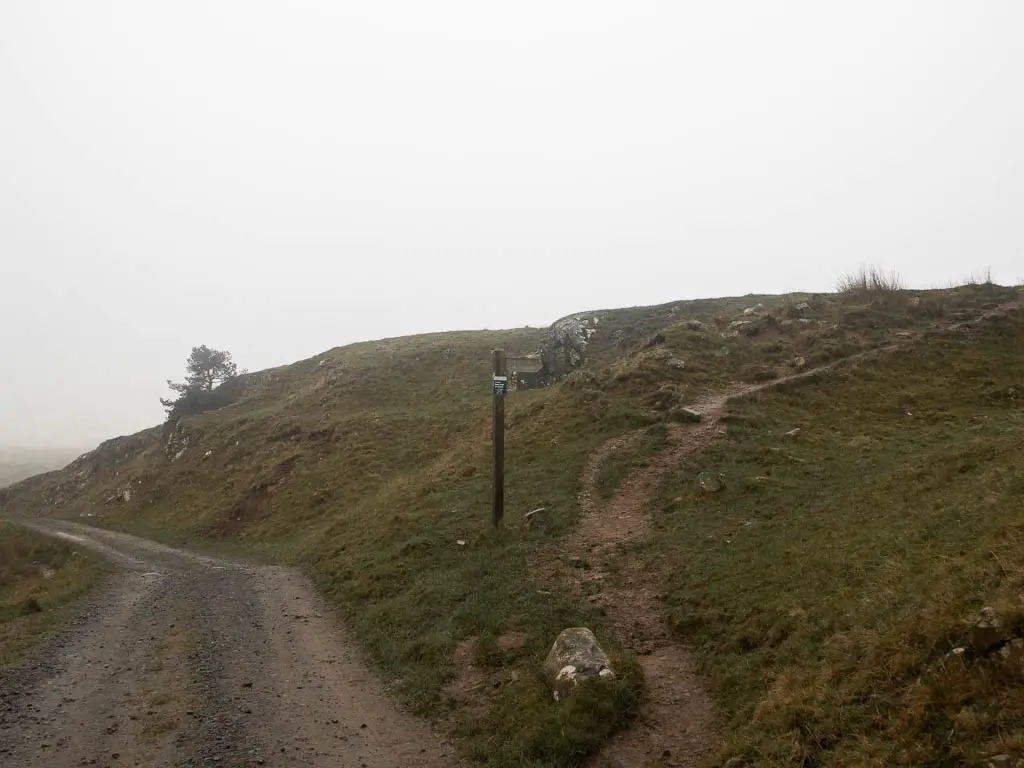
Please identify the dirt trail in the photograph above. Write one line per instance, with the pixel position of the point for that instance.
(677, 723)
(189, 660)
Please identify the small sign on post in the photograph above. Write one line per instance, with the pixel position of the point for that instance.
(499, 388)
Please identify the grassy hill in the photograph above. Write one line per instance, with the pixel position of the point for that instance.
(827, 585)
(869, 539)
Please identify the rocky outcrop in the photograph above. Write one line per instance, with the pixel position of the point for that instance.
(565, 343)
(102, 465)
(178, 441)
(574, 658)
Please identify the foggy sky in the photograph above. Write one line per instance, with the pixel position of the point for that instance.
(279, 178)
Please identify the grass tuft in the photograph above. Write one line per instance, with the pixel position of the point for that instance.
(40, 577)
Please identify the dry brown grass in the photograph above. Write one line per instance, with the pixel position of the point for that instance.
(869, 283)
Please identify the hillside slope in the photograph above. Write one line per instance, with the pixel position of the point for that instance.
(370, 465)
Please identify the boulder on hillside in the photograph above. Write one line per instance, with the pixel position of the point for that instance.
(763, 325)
(565, 343)
(574, 658)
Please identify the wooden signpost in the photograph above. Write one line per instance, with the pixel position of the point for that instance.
(499, 391)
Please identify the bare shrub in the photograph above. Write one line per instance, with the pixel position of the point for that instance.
(869, 282)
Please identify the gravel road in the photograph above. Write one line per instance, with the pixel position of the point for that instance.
(188, 660)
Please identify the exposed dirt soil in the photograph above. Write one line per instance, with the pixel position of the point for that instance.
(677, 724)
(474, 687)
(189, 660)
(469, 688)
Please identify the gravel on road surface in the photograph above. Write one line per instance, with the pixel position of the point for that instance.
(184, 659)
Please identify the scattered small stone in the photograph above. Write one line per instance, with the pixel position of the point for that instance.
(685, 414)
(709, 484)
(532, 516)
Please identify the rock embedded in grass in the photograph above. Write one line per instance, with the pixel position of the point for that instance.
(987, 632)
(575, 657)
(686, 415)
